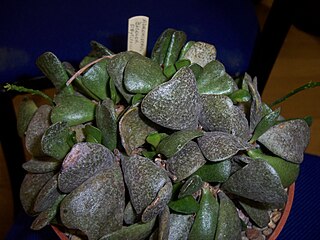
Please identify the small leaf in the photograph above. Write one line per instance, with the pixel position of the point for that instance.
(204, 226)
(182, 63)
(41, 165)
(215, 171)
(169, 71)
(185, 205)
(240, 96)
(178, 39)
(137, 98)
(266, 122)
(155, 138)
(92, 134)
(176, 141)
(54, 141)
(256, 212)
(192, 185)
(201, 53)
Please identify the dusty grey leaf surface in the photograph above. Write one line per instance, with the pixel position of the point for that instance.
(174, 104)
(180, 226)
(201, 53)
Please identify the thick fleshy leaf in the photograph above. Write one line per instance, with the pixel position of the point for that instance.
(180, 226)
(176, 141)
(129, 215)
(99, 50)
(164, 224)
(154, 138)
(287, 139)
(134, 128)
(240, 96)
(96, 79)
(39, 123)
(141, 75)
(229, 225)
(177, 41)
(92, 134)
(116, 68)
(41, 165)
(219, 146)
(185, 205)
(214, 80)
(133, 232)
(184, 163)
(53, 69)
(259, 182)
(204, 226)
(192, 185)
(27, 109)
(266, 122)
(161, 46)
(45, 217)
(106, 121)
(256, 212)
(144, 180)
(201, 53)
(174, 104)
(287, 171)
(30, 188)
(219, 114)
(54, 141)
(105, 194)
(215, 171)
(74, 110)
(48, 195)
(82, 162)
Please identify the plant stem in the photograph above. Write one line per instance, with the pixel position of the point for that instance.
(12, 87)
(295, 91)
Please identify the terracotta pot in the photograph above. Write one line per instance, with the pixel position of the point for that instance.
(273, 236)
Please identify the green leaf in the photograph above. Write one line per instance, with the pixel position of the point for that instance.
(169, 71)
(113, 93)
(55, 140)
(215, 80)
(154, 138)
(182, 63)
(256, 212)
(215, 171)
(240, 96)
(266, 122)
(196, 69)
(185, 48)
(205, 223)
(176, 141)
(74, 110)
(178, 39)
(137, 98)
(92, 134)
(161, 46)
(26, 110)
(192, 185)
(96, 79)
(185, 205)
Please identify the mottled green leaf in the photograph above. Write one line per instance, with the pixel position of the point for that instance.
(201, 53)
(177, 41)
(176, 141)
(92, 134)
(180, 226)
(215, 171)
(161, 46)
(26, 110)
(192, 185)
(256, 212)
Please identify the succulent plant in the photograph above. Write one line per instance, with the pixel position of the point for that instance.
(166, 147)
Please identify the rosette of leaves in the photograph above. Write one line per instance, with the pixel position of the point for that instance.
(166, 147)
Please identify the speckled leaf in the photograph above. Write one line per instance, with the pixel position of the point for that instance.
(215, 171)
(160, 48)
(99, 50)
(287, 171)
(37, 126)
(106, 121)
(174, 104)
(180, 226)
(287, 139)
(41, 165)
(229, 225)
(129, 215)
(30, 187)
(184, 163)
(105, 194)
(45, 217)
(26, 110)
(176, 141)
(219, 146)
(258, 214)
(266, 122)
(83, 161)
(53, 69)
(219, 114)
(185, 205)
(96, 78)
(204, 226)
(136, 231)
(116, 69)
(134, 129)
(259, 182)
(177, 41)
(47, 195)
(192, 185)
(214, 80)
(54, 141)
(74, 110)
(164, 224)
(142, 75)
(201, 53)
(144, 180)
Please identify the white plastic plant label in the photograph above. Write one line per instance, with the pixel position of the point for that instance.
(138, 34)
